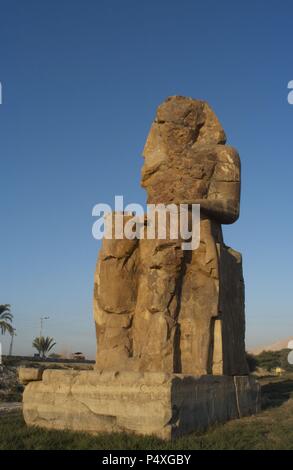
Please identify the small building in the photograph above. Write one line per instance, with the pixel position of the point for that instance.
(78, 356)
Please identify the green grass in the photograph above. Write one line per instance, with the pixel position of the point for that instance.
(270, 429)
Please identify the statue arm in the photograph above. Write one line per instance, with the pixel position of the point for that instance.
(224, 211)
(222, 203)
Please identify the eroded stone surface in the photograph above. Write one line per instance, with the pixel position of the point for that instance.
(29, 374)
(185, 160)
(158, 307)
(165, 405)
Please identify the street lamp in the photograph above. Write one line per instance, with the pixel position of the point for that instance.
(42, 323)
(11, 341)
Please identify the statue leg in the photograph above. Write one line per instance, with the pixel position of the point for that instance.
(114, 302)
(155, 325)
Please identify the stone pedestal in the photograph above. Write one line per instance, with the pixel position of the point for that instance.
(149, 403)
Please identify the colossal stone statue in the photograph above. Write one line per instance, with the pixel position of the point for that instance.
(157, 307)
(169, 321)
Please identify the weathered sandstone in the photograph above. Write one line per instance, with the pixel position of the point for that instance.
(165, 405)
(158, 307)
(170, 323)
(29, 374)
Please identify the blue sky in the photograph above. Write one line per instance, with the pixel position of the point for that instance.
(81, 81)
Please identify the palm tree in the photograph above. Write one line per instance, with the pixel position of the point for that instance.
(43, 345)
(6, 319)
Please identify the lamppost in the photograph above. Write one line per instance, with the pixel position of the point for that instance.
(42, 323)
(11, 341)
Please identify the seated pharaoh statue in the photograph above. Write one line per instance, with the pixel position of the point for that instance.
(158, 307)
(169, 310)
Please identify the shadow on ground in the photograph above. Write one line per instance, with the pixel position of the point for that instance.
(276, 393)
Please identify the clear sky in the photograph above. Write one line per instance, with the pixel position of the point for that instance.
(81, 81)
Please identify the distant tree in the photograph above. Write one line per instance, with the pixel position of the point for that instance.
(55, 356)
(268, 360)
(6, 318)
(43, 345)
(284, 353)
(271, 359)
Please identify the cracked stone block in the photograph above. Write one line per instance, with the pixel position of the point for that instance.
(164, 405)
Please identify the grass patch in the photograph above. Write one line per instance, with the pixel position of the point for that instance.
(271, 429)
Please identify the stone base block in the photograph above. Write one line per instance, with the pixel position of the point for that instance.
(150, 403)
